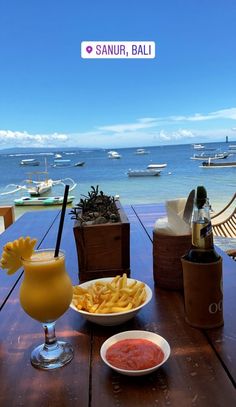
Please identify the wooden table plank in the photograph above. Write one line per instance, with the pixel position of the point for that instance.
(192, 376)
(35, 225)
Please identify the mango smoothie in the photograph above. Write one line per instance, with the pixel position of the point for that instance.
(46, 291)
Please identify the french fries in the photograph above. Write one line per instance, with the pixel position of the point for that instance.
(109, 297)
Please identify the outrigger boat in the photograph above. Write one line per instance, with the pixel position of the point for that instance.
(42, 201)
(41, 188)
(37, 188)
(206, 156)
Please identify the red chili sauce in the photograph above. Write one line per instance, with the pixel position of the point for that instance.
(134, 354)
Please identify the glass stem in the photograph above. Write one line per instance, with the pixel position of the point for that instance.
(50, 335)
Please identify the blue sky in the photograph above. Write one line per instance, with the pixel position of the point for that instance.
(50, 96)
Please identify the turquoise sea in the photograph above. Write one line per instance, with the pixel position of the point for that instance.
(180, 176)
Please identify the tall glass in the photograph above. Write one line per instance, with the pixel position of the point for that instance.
(45, 294)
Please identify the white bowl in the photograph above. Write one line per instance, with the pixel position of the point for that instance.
(116, 318)
(151, 336)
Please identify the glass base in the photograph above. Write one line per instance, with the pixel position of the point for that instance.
(52, 356)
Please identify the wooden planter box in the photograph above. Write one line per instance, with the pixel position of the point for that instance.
(103, 250)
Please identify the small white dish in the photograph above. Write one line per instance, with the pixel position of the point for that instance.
(151, 336)
(116, 318)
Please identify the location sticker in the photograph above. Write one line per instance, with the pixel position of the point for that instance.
(118, 49)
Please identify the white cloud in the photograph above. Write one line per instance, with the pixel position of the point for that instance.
(219, 114)
(24, 139)
(177, 135)
(144, 123)
(148, 120)
(152, 122)
(164, 136)
(144, 131)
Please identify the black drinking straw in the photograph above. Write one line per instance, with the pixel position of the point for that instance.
(63, 211)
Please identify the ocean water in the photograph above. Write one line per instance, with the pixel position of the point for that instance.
(180, 176)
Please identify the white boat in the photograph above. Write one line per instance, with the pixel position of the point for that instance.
(26, 187)
(144, 173)
(205, 156)
(61, 163)
(156, 166)
(141, 151)
(58, 156)
(113, 154)
(30, 161)
(42, 201)
(38, 188)
(198, 146)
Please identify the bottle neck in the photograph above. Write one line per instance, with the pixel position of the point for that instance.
(202, 236)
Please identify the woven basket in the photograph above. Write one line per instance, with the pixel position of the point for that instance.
(167, 253)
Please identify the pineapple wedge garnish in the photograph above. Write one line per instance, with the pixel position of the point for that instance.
(14, 251)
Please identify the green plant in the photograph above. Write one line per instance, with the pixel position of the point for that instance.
(96, 208)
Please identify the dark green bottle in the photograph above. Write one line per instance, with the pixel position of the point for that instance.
(202, 249)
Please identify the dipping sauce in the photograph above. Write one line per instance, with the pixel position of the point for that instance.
(134, 354)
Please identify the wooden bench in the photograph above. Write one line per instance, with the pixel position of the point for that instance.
(224, 223)
(8, 215)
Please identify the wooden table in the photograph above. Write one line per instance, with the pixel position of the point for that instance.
(201, 370)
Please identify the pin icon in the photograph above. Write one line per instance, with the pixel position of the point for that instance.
(89, 49)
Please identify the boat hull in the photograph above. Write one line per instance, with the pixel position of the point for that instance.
(144, 173)
(206, 164)
(40, 188)
(30, 163)
(42, 201)
(61, 163)
(156, 166)
(38, 192)
(79, 164)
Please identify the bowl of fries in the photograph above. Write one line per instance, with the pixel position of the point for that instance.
(110, 301)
